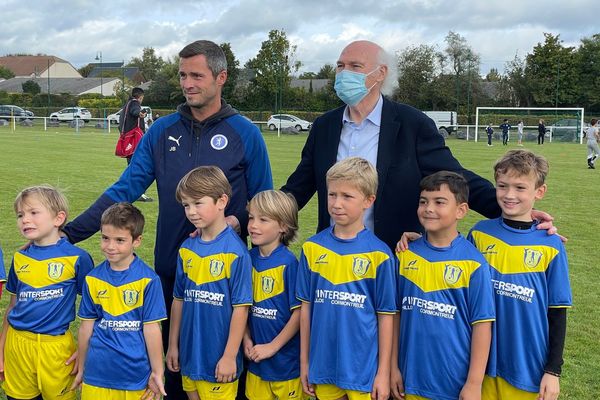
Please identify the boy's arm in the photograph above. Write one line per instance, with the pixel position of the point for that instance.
(86, 328)
(227, 367)
(11, 304)
(173, 351)
(481, 339)
(304, 347)
(247, 342)
(263, 351)
(396, 384)
(381, 386)
(550, 384)
(154, 347)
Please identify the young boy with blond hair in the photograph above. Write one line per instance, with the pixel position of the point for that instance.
(347, 288)
(37, 351)
(212, 294)
(530, 278)
(120, 341)
(443, 331)
(272, 340)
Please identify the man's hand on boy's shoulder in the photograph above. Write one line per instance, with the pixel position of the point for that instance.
(546, 223)
(406, 238)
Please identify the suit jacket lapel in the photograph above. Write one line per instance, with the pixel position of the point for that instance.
(333, 138)
(388, 132)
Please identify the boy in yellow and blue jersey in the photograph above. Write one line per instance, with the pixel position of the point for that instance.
(120, 342)
(443, 331)
(272, 340)
(530, 279)
(347, 287)
(37, 351)
(212, 293)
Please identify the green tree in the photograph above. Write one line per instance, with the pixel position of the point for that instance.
(6, 73)
(589, 72)
(518, 85)
(85, 70)
(493, 75)
(327, 71)
(31, 87)
(417, 70)
(233, 71)
(273, 66)
(149, 64)
(164, 91)
(307, 75)
(552, 73)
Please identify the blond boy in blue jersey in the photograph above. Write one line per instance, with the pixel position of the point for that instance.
(38, 356)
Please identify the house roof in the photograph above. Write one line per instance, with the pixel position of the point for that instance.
(116, 69)
(73, 86)
(29, 65)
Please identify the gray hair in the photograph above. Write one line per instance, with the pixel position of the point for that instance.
(215, 57)
(391, 79)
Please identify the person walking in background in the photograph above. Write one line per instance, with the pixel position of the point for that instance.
(520, 132)
(505, 130)
(131, 115)
(490, 132)
(541, 131)
(592, 143)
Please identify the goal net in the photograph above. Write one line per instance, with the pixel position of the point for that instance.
(562, 124)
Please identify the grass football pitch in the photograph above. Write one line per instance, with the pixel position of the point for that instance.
(83, 165)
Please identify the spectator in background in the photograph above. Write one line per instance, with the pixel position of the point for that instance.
(505, 130)
(520, 127)
(541, 131)
(131, 115)
(592, 143)
(490, 133)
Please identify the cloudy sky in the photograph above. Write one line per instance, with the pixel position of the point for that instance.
(76, 30)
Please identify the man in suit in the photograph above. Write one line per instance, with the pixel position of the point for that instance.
(402, 142)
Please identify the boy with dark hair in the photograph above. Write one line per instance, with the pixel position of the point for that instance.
(212, 294)
(120, 343)
(37, 351)
(346, 285)
(530, 278)
(443, 331)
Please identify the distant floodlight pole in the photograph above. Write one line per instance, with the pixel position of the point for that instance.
(99, 57)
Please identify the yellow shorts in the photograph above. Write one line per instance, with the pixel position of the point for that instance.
(258, 389)
(332, 392)
(498, 389)
(211, 390)
(34, 364)
(414, 397)
(89, 392)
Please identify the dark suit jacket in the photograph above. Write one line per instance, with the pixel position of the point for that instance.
(410, 148)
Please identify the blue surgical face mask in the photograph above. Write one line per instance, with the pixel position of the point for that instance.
(350, 86)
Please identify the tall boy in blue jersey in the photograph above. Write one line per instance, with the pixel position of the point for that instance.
(347, 287)
(120, 343)
(530, 280)
(443, 331)
(38, 357)
(212, 294)
(272, 340)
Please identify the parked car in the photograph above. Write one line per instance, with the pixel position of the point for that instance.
(71, 113)
(287, 121)
(8, 111)
(116, 117)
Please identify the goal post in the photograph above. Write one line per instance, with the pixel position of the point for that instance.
(546, 111)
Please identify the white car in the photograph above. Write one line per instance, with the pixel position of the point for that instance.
(287, 121)
(71, 113)
(116, 117)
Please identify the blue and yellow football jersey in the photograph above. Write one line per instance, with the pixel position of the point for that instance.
(120, 303)
(346, 282)
(530, 274)
(274, 293)
(212, 278)
(46, 281)
(442, 292)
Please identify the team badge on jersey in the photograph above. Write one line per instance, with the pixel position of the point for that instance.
(452, 274)
(188, 263)
(360, 265)
(55, 269)
(216, 267)
(532, 257)
(267, 284)
(130, 297)
(218, 142)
